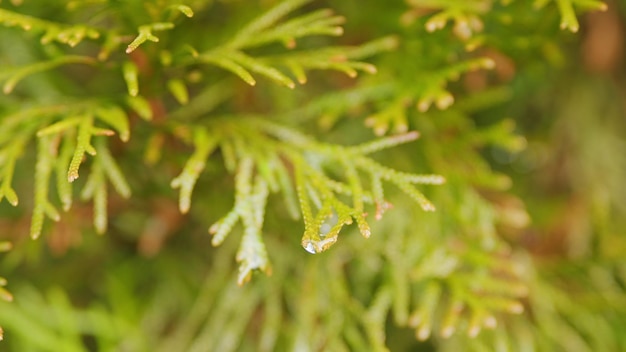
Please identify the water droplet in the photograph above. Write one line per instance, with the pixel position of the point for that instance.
(315, 247)
(310, 248)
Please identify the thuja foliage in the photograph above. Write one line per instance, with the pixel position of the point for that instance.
(269, 129)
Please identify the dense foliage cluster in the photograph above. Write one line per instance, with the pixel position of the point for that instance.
(269, 129)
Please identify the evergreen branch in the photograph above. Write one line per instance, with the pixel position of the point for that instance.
(282, 133)
(19, 128)
(317, 237)
(83, 144)
(391, 174)
(340, 187)
(303, 198)
(71, 35)
(414, 194)
(433, 89)
(146, 34)
(430, 90)
(27, 120)
(219, 59)
(267, 168)
(357, 197)
(61, 126)
(396, 99)
(103, 167)
(569, 20)
(184, 9)
(568, 17)
(204, 102)
(372, 48)
(64, 188)
(205, 144)
(319, 22)
(252, 253)
(8, 158)
(314, 186)
(287, 187)
(330, 58)
(471, 297)
(259, 67)
(231, 57)
(112, 170)
(335, 103)
(229, 155)
(298, 62)
(249, 208)
(383, 143)
(445, 274)
(264, 21)
(394, 114)
(46, 150)
(591, 5)
(223, 227)
(378, 195)
(460, 5)
(95, 189)
(15, 75)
